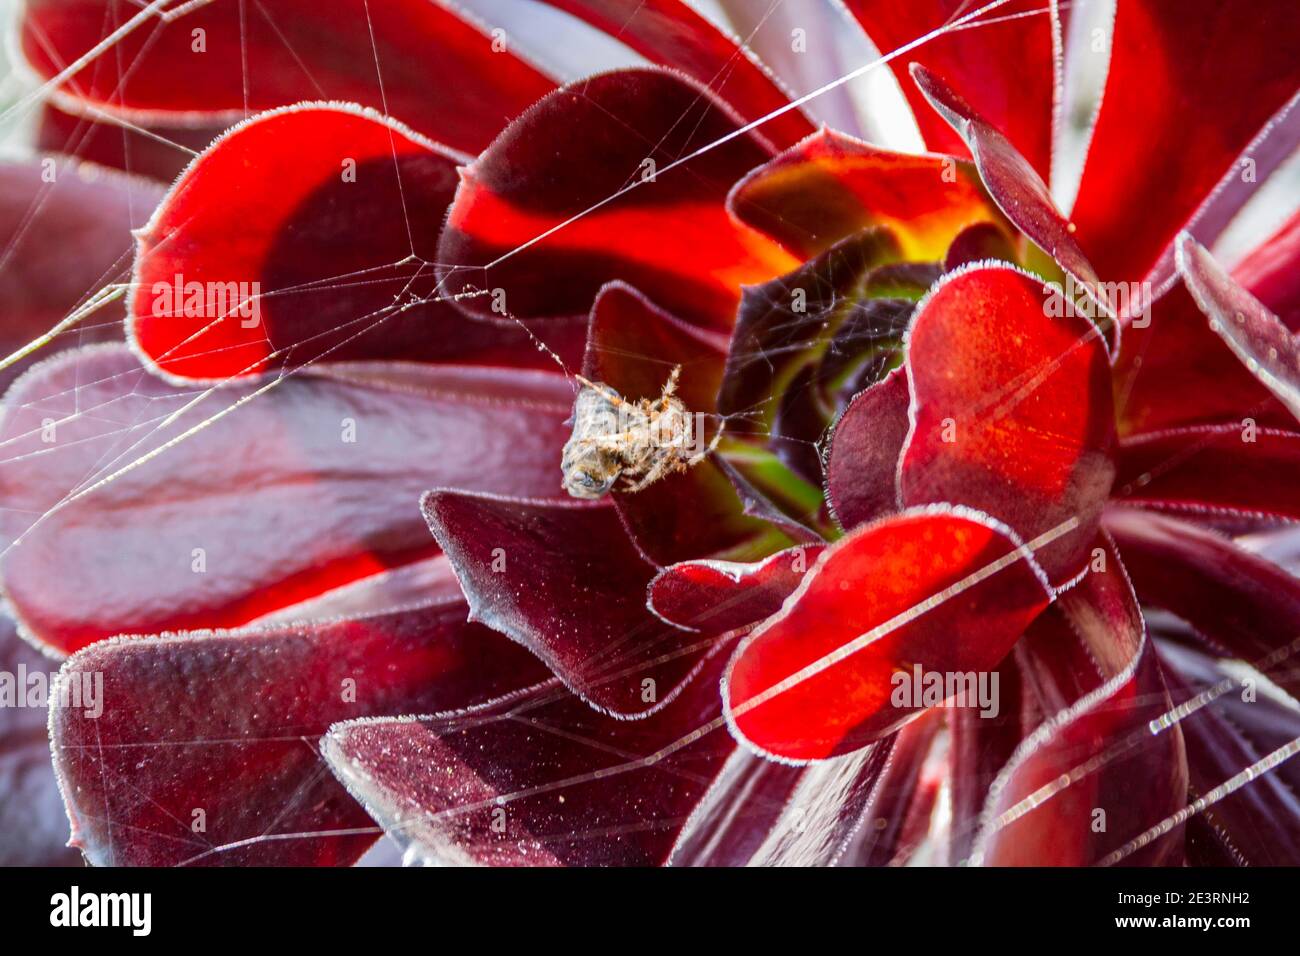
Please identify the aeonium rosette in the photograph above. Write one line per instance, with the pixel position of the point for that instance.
(942, 456)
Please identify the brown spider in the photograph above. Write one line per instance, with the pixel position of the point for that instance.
(614, 438)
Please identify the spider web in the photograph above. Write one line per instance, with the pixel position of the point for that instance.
(152, 16)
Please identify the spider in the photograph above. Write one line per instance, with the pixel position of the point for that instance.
(614, 439)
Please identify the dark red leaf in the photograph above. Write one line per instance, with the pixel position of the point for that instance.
(1173, 370)
(543, 781)
(1272, 273)
(204, 750)
(160, 154)
(1268, 349)
(980, 243)
(309, 234)
(1255, 824)
(1190, 86)
(1003, 60)
(981, 745)
(135, 516)
(832, 186)
(1015, 185)
(416, 60)
(747, 804)
(720, 596)
(33, 826)
(65, 234)
(1093, 782)
(1011, 410)
(671, 33)
(865, 447)
(1241, 605)
(586, 188)
(1214, 469)
(940, 589)
(562, 579)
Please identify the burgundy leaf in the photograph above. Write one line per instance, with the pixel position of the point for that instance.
(942, 590)
(1214, 469)
(620, 176)
(310, 234)
(543, 781)
(1255, 824)
(720, 596)
(65, 228)
(671, 33)
(864, 452)
(1241, 605)
(1267, 348)
(33, 826)
(1003, 59)
(1095, 781)
(1011, 410)
(1190, 86)
(417, 60)
(212, 508)
(205, 749)
(981, 745)
(562, 579)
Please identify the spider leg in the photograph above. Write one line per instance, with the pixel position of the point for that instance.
(670, 386)
(713, 446)
(657, 471)
(660, 404)
(611, 396)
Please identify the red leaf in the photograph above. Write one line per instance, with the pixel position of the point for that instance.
(544, 781)
(1003, 60)
(1011, 410)
(1220, 469)
(1095, 672)
(1174, 371)
(1241, 605)
(304, 485)
(219, 728)
(160, 154)
(981, 745)
(1268, 348)
(849, 811)
(585, 188)
(562, 579)
(1016, 187)
(416, 60)
(832, 186)
(64, 241)
(1255, 824)
(33, 826)
(1190, 85)
(865, 447)
(720, 596)
(309, 234)
(670, 33)
(944, 590)
(1272, 273)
